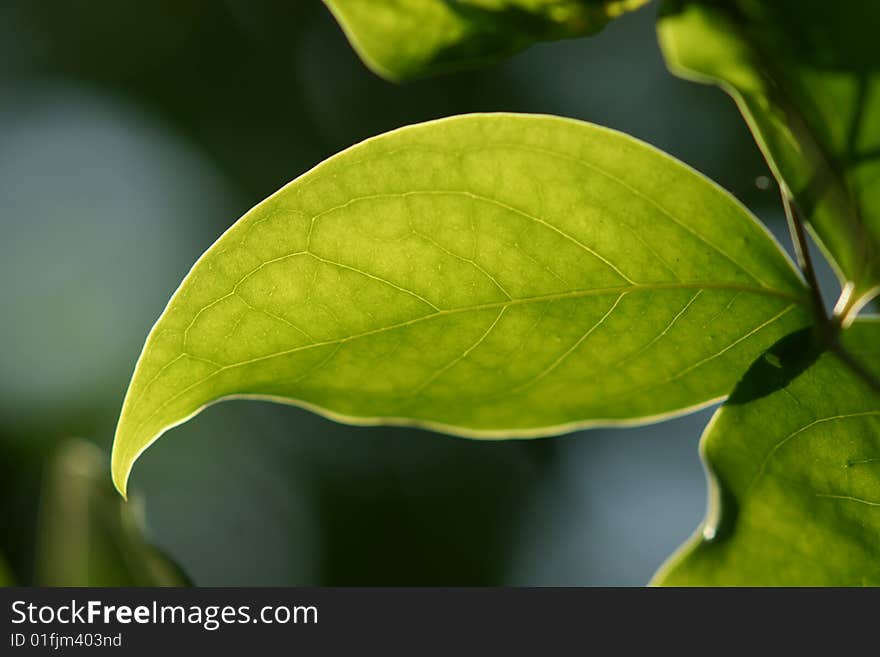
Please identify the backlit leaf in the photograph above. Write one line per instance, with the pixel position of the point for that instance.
(484, 275)
(806, 75)
(794, 462)
(401, 39)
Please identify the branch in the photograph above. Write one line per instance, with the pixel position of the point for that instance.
(805, 261)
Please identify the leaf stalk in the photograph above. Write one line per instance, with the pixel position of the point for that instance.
(805, 261)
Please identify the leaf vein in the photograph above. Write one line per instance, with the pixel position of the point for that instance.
(575, 294)
(485, 199)
(797, 432)
(556, 363)
(463, 355)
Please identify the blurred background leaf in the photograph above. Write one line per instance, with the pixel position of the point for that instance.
(404, 39)
(5, 573)
(87, 535)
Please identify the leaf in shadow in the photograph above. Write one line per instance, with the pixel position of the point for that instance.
(777, 367)
(794, 474)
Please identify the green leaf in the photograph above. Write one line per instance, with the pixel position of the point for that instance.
(806, 76)
(402, 39)
(86, 535)
(483, 275)
(794, 463)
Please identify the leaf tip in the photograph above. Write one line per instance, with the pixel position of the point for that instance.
(120, 469)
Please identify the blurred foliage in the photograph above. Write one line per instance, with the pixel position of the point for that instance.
(86, 534)
(5, 574)
(76, 531)
(404, 39)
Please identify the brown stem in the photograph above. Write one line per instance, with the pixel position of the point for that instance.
(805, 261)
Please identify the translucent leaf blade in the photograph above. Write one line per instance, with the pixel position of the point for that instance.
(484, 275)
(403, 39)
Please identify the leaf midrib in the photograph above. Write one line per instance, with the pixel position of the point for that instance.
(574, 294)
